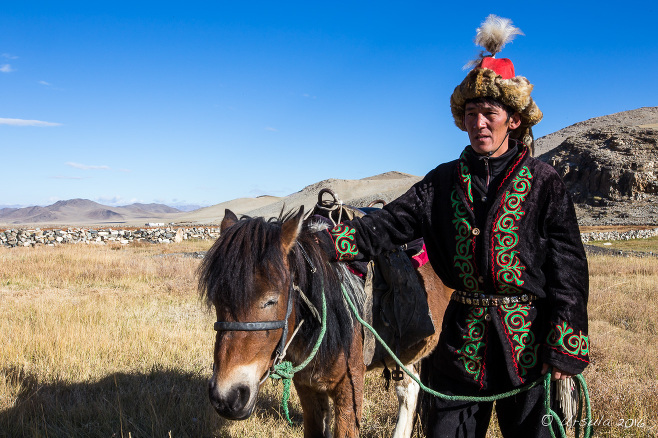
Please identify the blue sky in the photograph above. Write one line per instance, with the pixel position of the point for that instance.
(203, 102)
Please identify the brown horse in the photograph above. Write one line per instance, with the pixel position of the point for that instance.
(255, 275)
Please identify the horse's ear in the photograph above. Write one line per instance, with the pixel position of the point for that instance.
(290, 230)
(229, 219)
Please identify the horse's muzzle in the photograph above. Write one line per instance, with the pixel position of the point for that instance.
(236, 403)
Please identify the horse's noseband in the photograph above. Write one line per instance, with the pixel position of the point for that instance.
(248, 326)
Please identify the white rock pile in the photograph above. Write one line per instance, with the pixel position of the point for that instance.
(616, 235)
(52, 237)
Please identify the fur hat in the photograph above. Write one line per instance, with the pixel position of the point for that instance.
(495, 78)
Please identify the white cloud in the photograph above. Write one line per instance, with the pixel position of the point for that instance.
(116, 200)
(269, 128)
(87, 166)
(47, 84)
(9, 56)
(22, 122)
(308, 96)
(66, 177)
(6, 68)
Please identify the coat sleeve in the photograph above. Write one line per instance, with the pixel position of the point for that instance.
(399, 222)
(567, 284)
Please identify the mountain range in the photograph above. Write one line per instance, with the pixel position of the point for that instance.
(84, 211)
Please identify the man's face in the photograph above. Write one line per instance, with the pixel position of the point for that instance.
(487, 126)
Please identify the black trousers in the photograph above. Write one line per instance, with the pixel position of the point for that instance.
(521, 415)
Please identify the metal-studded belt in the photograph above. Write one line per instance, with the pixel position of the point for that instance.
(483, 300)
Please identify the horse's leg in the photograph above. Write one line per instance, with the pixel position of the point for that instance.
(316, 412)
(407, 390)
(348, 392)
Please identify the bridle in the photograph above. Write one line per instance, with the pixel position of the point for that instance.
(221, 326)
(279, 352)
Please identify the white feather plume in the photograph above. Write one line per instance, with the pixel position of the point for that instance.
(495, 32)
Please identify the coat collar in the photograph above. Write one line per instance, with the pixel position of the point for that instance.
(465, 177)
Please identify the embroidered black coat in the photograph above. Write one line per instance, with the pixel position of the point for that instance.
(529, 244)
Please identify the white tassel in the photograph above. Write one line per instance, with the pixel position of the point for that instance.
(495, 32)
(492, 35)
(567, 399)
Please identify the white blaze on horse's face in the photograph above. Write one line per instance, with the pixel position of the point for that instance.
(242, 358)
(234, 396)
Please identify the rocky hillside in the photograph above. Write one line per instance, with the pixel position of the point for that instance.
(610, 166)
(638, 117)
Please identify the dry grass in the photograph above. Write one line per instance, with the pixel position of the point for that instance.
(643, 245)
(623, 376)
(98, 341)
(112, 341)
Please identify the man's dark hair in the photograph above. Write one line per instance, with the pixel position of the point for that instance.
(493, 102)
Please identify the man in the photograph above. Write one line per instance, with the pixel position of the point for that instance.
(499, 228)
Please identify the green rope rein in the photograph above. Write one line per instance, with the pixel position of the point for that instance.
(285, 371)
(554, 418)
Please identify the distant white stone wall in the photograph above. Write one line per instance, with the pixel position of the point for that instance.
(33, 237)
(616, 235)
(52, 237)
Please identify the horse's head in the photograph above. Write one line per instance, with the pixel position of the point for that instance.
(246, 277)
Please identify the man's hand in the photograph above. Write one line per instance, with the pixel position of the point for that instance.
(557, 373)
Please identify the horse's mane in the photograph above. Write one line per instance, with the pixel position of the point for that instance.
(228, 273)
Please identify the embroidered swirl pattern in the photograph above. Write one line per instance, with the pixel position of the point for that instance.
(465, 177)
(520, 336)
(565, 338)
(505, 237)
(463, 259)
(469, 354)
(346, 248)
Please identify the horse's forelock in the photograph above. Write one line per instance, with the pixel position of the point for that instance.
(228, 273)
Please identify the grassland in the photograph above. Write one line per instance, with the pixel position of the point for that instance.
(643, 245)
(102, 341)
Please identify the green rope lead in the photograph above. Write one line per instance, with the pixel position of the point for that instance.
(546, 380)
(285, 371)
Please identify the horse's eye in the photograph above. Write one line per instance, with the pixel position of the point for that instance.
(270, 302)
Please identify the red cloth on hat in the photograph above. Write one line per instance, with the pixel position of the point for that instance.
(502, 66)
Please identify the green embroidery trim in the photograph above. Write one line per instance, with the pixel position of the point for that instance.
(463, 259)
(470, 352)
(346, 248)
(565, 338)
(465, 176)
(523, 340)
(505, 237)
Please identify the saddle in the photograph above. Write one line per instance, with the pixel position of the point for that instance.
(396, 302)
